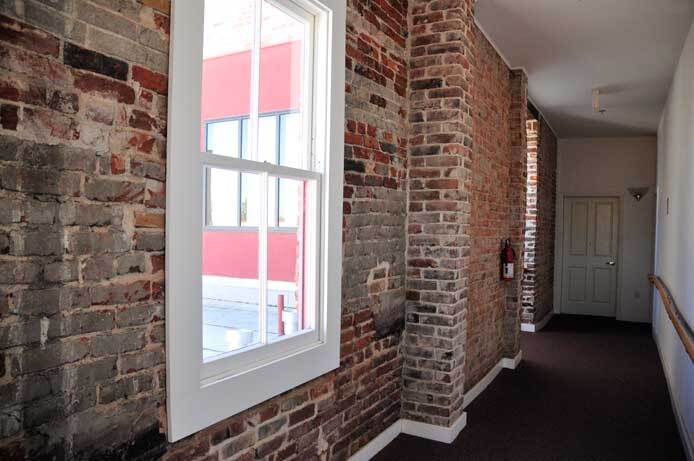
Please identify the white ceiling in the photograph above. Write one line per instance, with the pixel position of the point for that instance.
(627, 48)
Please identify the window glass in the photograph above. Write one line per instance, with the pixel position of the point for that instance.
(223, 138)
(223, 197)
(226, 71)
(283, 43)
(267, 139)
(290, 264)
(244, 138)
(230, 280)
(250, 200)
(290, 197)
(254, 265)
(291, 140)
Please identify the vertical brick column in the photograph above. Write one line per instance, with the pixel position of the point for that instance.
(538, 262)
(529, 243)
(441, 57)
(516, 207)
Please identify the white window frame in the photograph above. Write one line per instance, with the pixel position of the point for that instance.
(197, 398)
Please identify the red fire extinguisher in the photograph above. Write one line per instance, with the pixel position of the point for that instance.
(508, 256)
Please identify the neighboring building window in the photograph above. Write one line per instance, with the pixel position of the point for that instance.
(254, 203)
(280, 135)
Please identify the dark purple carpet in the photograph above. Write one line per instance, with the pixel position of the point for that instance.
(587, 389)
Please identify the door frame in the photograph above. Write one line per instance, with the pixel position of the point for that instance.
(559, 247)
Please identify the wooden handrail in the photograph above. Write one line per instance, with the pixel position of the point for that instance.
(678, 321)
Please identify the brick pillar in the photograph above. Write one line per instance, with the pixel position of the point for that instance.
(516, 207)
(439, 209)
(530, 237)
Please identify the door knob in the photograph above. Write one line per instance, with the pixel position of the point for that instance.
(610, 263)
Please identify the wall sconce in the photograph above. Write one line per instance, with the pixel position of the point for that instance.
(638, 192)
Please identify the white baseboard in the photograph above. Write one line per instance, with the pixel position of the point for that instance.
(511, 364)
(478, 388)
(535, 327)
(415, 428)
(687, 439)
(370, 450)
(432, 431)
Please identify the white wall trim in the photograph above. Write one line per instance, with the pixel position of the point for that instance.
(434, 432)
(372, 448)
(511, 364)
(687, 439)
(415, 428)
(535, 327)
(483, 383)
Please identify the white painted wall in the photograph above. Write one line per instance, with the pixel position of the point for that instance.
(674, 260)
(607, 167)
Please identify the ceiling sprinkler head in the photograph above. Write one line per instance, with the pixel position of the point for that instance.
(596, 103)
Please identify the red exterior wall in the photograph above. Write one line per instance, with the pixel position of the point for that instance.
(276, 92)
(235, 253)
(224, 250)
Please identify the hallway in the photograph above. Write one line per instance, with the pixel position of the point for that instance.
(587, 389)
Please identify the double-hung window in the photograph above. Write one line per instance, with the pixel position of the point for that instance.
(254, 202)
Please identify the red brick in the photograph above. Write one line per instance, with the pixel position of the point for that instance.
(26, 36)
(104, 87)
(151, 80)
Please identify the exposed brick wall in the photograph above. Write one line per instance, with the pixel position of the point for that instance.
(441, 57)
(538, 264)
(489, 221)
(83, 89)
(82, 169)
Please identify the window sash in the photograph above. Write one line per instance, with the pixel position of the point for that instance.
(241, 360)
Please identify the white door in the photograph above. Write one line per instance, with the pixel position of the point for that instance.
(589, 281)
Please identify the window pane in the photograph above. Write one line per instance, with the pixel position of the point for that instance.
(267, 139)
(282, 62)
(226, 67)
(222, 197)
(250, 199)
(244, 139)
(289, 196)
(291, 143)
(223, 138)
(230, 285)
(291, 266)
